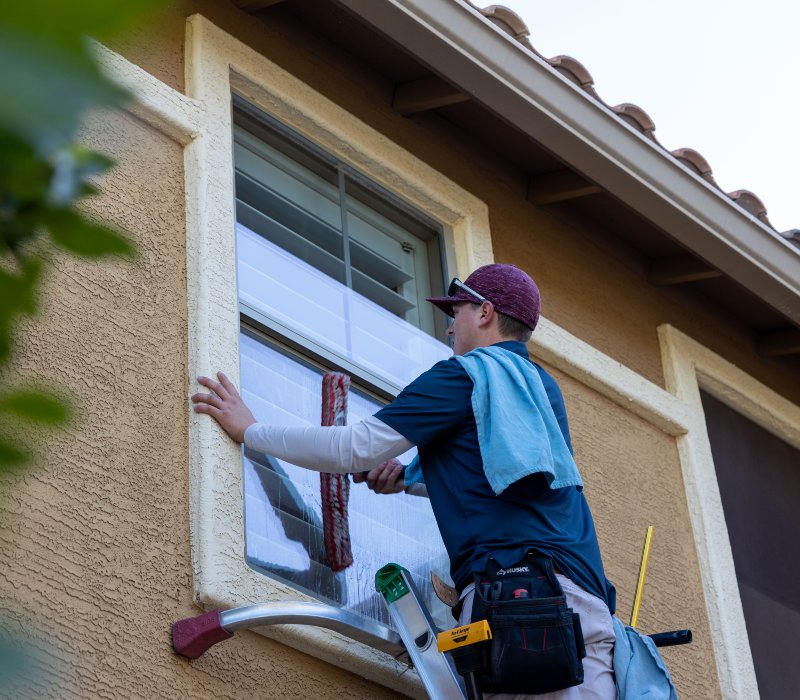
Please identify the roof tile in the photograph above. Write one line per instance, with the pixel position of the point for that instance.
(575, 71)
(509, 21)
(750, 203)
(637, 118)
(695, 162)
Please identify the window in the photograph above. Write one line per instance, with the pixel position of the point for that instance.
(332, 275)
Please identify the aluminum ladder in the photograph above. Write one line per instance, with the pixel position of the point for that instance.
(193, 636)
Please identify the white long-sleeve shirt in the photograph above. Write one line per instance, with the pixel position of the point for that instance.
(340, 449)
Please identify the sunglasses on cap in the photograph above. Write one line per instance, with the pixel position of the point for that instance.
(457, 284)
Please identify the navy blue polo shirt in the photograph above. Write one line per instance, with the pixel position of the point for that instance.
(435, 413)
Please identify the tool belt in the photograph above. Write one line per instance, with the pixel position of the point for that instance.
(537, 643)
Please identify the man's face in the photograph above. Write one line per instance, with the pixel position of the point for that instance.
(463, 332)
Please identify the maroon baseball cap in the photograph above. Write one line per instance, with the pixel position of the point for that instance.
(511, 291)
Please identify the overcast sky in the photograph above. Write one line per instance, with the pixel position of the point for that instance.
(720, 77)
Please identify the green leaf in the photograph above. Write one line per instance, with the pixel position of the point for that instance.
(18, 226)
(11, 456)
(87, 189)
(74, 233)
(24, 176)
(18, 292)
(17, 296)
(36, 406)
(5, 345)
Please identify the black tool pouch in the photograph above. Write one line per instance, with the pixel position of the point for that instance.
(537, 644)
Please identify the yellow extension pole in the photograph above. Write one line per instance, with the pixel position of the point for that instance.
(637, 600)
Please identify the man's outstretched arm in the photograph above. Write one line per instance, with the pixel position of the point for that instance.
(332, 449)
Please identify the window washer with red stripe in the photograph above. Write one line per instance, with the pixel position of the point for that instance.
(495, 459)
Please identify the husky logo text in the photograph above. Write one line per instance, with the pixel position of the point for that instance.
(513, 570)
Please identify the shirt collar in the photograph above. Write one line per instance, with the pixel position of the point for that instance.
(515, 346)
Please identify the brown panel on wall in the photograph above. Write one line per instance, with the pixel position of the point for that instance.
(94, 548)
(633, 479)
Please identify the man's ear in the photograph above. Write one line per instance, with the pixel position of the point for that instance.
(487, 313)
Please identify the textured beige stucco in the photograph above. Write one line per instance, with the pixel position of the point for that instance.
(95, 554)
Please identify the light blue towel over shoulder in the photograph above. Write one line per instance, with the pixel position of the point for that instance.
(518, 432)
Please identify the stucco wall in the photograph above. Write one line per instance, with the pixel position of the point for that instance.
(95, 554)
(95, 559)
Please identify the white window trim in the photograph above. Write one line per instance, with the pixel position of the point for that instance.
(218, 64)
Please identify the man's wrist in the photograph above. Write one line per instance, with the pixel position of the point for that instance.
(244, 433)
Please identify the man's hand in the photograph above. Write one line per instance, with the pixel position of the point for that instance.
(225, 405)
(386, 478)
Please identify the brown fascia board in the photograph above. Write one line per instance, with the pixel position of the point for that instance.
(484, 62)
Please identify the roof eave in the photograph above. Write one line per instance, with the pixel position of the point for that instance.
(455, 41)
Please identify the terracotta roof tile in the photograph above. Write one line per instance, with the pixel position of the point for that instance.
(637, 118)
(694, 161)
(575, 71)
(633, 115)
(508, 20)
(751, 203)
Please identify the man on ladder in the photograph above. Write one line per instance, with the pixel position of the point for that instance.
(495, 458)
